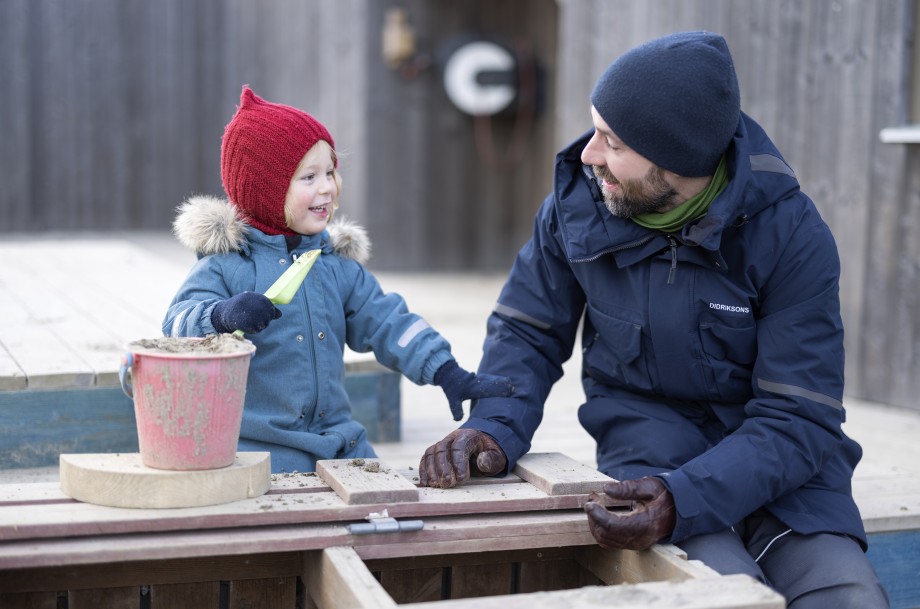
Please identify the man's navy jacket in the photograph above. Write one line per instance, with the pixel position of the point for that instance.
(712, 357)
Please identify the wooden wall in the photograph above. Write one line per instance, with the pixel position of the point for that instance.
(111, 113)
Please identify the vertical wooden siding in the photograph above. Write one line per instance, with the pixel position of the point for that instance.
(822, 77)
(112, 111)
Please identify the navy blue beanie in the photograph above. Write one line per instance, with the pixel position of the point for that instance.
(674, 100)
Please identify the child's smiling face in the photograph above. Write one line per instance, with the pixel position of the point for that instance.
(313, 193)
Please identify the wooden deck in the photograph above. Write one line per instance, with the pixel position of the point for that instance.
(69, 305)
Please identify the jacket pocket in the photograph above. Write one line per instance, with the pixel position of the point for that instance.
(613, 351)
(723, 342)
(730, 352)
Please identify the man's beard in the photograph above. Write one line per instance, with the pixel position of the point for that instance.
(651, 193)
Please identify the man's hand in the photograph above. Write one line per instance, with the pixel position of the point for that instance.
(448, 463)
(459, 385)
(651, 519)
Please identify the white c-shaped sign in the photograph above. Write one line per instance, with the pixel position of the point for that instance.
(462, 86)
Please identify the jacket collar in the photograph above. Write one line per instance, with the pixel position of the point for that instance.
(758, 178)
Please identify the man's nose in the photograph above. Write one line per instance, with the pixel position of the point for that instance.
(589, 155)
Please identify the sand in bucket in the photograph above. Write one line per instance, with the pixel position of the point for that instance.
(188, 399)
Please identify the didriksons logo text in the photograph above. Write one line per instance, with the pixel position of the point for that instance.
(732, 308)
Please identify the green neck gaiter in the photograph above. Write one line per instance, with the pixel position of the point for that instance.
(691, 209)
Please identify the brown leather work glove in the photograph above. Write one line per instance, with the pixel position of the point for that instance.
(650, 520)
(448, 463)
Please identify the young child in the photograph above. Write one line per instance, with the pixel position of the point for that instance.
(279, 170)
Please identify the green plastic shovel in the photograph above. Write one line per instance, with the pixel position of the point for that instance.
(283, 290)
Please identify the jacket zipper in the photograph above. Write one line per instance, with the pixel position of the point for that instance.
(612, 250)
(673, 271)
(672, 244)
(309, 339)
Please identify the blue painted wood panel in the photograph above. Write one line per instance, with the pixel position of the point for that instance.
(40, 425)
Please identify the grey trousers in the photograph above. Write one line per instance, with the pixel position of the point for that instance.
(811, 571)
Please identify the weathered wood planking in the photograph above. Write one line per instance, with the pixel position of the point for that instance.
(67, 318)
(253, 565)
(38, 352)
(557, 474)
(307, 504)
(124, 481)
(659, 563)
(366, 481)
(728, 592)
(888, 503)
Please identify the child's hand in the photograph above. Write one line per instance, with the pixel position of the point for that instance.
(460, 385)
(248, 311)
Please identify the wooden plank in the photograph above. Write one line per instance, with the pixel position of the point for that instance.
(658, 563)
(413, 585)
(336, 577)
(440, 561)
(729, 592)
(468, 581)
(84, 519)
(125, 573)
(275, 592)
(557, 474)
(444, 535)
(32, 493)
(483, 533)
(198, 595)
(366, 481)
(29, 600)
(40, 425)
(37, 349)
(889, 503)
(111, 598)
(68, 306)
(122, 480)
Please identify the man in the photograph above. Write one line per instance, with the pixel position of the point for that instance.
(712, 342)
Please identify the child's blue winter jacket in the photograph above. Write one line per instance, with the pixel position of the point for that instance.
(296, 404)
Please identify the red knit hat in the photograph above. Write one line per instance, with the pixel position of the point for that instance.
(260, 150)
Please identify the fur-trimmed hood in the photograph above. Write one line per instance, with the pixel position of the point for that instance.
(210, 225)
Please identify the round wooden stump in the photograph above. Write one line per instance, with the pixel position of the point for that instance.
(121, 480)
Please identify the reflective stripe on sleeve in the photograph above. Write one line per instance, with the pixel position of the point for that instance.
(515, 314)
(814, 396)
(412, 332)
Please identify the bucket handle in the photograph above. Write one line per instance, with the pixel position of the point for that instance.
(124, 374)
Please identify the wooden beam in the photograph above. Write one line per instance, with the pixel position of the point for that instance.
(336, 578)
(729, 592)
(658, 563)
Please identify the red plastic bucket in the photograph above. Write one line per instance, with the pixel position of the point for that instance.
(188, 399)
